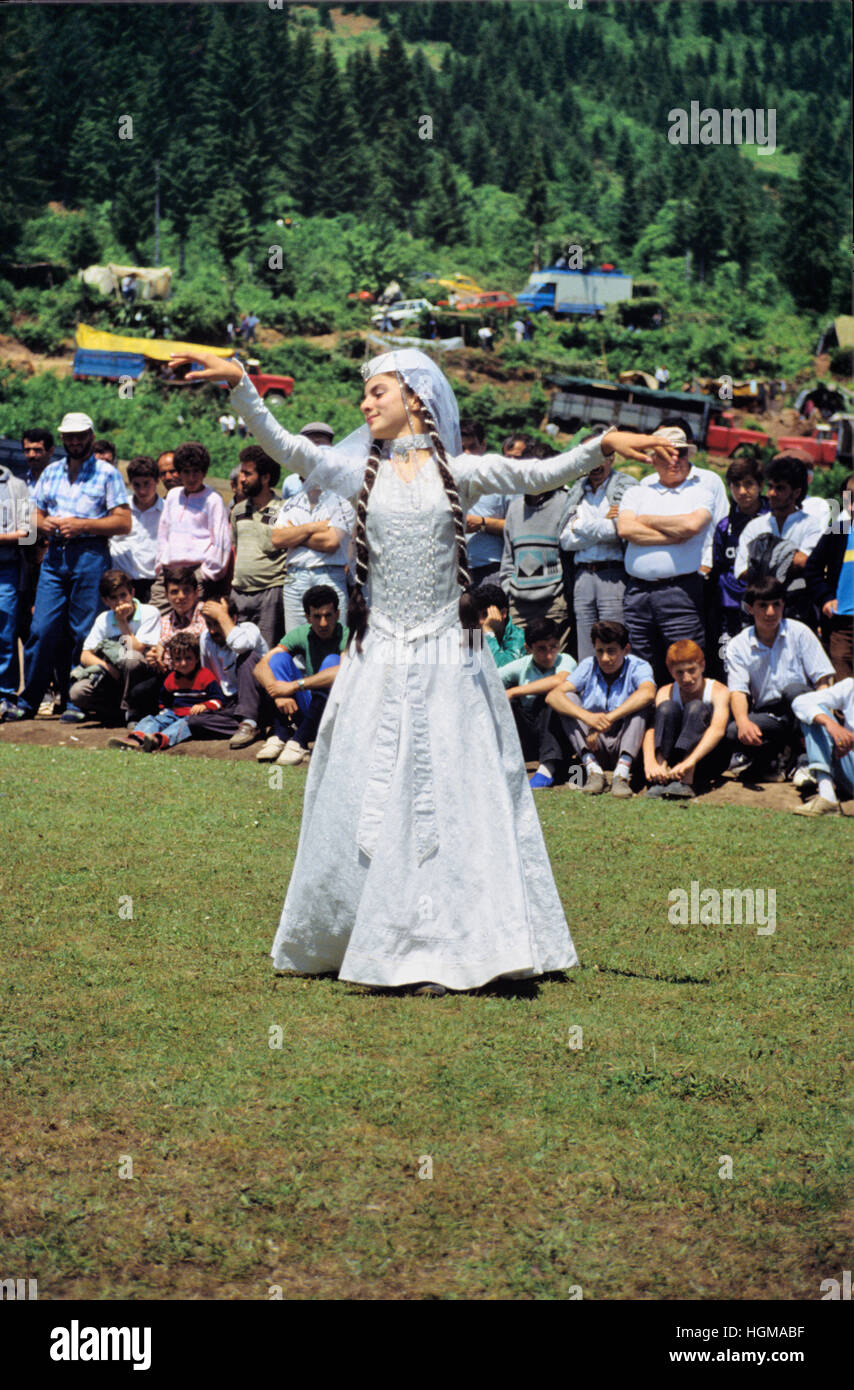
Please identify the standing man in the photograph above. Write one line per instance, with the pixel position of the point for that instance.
(786, 480)
(259, 567)
(314, 528)
(38, 447)
(665, 525)
(80, 503)
(167, 472)
(829, 576)
(485, 525)
(590, 536)
(135, 554)
(319, 433)
(15, 530)
(531, 569)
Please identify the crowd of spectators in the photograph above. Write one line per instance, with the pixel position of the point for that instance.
(668, 630)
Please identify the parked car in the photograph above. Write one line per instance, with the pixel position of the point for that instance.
(401, 312)
(490, 299)
(462, 284)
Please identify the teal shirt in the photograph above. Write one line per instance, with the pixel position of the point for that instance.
(525, 670)
(302, 642)
(511, 646)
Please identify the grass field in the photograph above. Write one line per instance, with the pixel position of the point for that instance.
(139, 899)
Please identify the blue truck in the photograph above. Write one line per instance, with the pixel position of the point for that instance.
(574, 292)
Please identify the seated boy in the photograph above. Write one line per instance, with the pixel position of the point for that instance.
(830, 744)
(504, 639)
(300, 694)
(187, 690)
(768, 664)
(690, 723)
(231, 650)
(606, 723)
(527, 681)
(183, 615)
(113, 681)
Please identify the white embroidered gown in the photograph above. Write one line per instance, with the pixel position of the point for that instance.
(420, 855)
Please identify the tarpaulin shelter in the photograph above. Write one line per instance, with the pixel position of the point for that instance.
(151, 282)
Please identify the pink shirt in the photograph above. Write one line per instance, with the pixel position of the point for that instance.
(194, 530)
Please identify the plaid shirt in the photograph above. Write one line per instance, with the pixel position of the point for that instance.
(97, 490)
(168, 628)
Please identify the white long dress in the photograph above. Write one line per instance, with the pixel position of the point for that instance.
(420, 855)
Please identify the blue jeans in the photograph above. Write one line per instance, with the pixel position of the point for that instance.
(820, 753)
(67, 604)
(10, 570)
(175, 726)
(310, 703)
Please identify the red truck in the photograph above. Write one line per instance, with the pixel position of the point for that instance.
(116, 366)
(723, 436)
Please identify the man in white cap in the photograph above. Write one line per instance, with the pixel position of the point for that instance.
(81, 501)
(319, 433)
(666, 522)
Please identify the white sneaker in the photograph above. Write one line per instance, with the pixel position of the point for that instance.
(270, 751)
(292, 754)
(804, 778)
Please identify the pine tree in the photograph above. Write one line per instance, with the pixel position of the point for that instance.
(24, 189)
(338, 180)
(810, 240)
(228, 222)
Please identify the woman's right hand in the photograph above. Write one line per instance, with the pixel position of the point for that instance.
(215, 368)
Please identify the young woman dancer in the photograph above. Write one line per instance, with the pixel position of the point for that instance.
(420, 861)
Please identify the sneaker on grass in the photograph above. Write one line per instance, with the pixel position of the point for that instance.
(72, 715)
(819, 806)
(270, 751)
(292, 754)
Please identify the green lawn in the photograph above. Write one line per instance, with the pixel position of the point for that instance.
(554, 1167)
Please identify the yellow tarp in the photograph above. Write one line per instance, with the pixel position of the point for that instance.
(158, 349)
(844, 326)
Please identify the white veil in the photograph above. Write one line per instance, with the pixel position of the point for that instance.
(420, 373)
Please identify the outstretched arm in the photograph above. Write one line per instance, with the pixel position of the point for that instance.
(295, 450)
(492, 473)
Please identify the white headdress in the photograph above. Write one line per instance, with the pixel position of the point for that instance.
(420, 373)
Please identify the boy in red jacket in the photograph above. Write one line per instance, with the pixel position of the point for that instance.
(188, 689)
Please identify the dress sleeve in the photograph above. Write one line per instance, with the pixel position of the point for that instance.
(325, 468)
(477, 475)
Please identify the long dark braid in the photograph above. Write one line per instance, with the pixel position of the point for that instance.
(468, 611)
(357, 610)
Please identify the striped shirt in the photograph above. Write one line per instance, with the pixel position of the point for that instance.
(97, 490)
(204, 689)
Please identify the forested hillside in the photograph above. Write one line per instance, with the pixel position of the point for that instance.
(305, 128)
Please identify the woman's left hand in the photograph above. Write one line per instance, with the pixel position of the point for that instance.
(641, 447)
